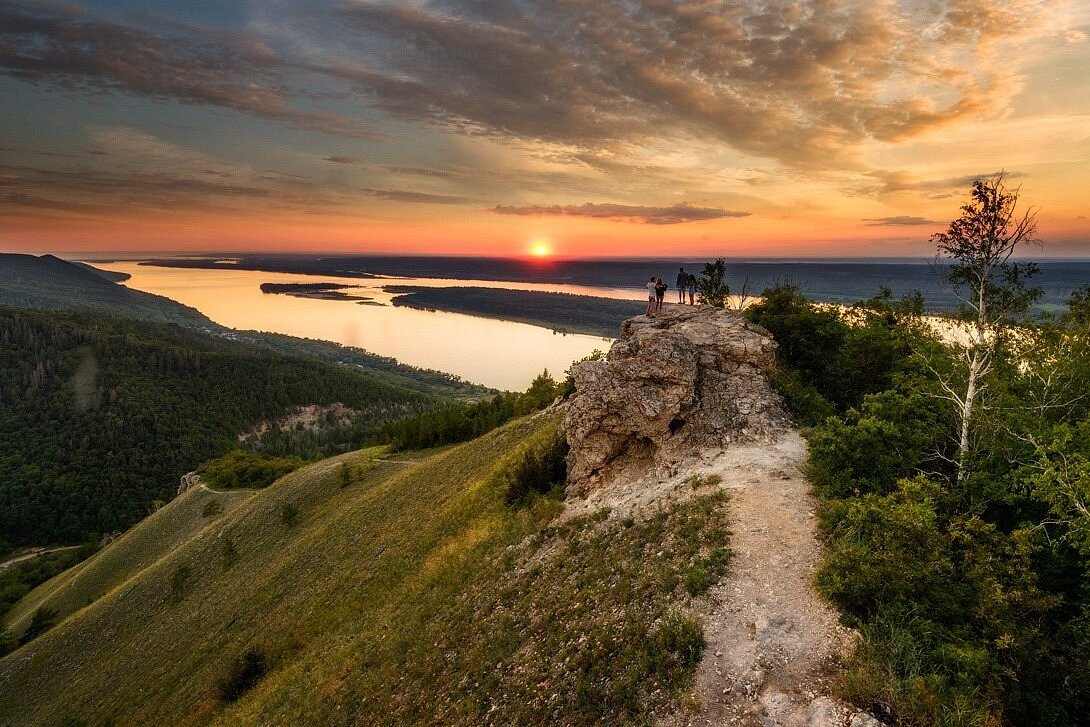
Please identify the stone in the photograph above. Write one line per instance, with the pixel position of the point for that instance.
(862, 719)
(688, 380)
(824, 712)
(188, 481)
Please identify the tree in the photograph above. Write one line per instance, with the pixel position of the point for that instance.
(712, 286)
(974, 261)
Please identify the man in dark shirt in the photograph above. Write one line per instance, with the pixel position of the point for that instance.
(682, 283)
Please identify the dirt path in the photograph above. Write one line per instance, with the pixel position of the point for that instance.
(772, 643)
(36, 553)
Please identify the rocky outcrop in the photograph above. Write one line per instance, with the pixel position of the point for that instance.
(188, 481)
(690, 379)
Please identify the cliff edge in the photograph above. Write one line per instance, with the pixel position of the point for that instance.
(683, 404)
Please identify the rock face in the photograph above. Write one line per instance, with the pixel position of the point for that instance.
(689, 379)
(188, 481)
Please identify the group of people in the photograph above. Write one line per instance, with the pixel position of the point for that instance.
(656, 291)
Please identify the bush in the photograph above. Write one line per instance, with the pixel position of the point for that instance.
(179, 581)
(42, 620)
(246, 470)
(289, 514)
(212, 508)
(242, 675)
(536, 469)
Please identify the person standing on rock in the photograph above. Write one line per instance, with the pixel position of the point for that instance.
(660, 293)
(682, 284)
(652, 296)
(690, 285)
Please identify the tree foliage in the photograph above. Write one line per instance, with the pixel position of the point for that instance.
(972, 594)
(974, 256)
(460, 423)
(86, 448)
(712, 286)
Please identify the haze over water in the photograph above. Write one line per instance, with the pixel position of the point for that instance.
(496, 353)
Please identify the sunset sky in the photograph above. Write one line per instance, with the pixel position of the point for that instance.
(591, 127)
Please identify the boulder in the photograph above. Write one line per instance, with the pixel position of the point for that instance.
(188, 481)
(690, 379)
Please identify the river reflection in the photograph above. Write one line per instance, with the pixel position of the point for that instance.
(496, 353)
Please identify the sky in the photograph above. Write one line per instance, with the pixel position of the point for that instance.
(580, 127)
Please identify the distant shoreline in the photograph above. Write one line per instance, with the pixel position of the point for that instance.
(840, 281)
(561, 312)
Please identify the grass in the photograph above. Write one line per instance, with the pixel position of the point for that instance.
(152, 540)
(404, 592)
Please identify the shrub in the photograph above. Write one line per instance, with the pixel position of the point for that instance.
(536, 469)
(242, 675)
(42, 620)
(212, 508)
(289, 514)
(179, 581)
(229, 552)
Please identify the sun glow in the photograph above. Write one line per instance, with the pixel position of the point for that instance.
(540, 249)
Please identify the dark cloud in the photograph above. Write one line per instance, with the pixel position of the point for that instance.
(672, 215)
(899, 220)
(139, 171)
(798, 82)
(402, 195)
(393, 168)
(62, 45)
(801, 83)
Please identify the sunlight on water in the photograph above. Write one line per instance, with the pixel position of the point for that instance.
(495, 353)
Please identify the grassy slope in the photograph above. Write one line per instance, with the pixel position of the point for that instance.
(412, 596)
(155, 538)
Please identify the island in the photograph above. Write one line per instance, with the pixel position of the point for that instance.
(562, 312)
(321, 291)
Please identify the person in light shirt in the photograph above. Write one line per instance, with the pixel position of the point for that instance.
(652, 296)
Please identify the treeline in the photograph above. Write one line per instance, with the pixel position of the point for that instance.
(101, 416)
(968, 575)
(461, 423)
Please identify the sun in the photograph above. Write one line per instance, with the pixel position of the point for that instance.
(540, 249)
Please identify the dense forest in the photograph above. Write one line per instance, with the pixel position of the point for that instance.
(102, 415)
(953, 474)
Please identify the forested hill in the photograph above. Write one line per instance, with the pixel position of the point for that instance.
(101, 415)
(49, 283)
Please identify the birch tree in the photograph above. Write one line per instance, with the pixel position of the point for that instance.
(974, 261)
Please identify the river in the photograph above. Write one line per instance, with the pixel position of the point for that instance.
(496, 353)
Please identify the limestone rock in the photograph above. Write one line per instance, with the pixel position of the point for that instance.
(188, 481)
(690, 379)
(862, 719)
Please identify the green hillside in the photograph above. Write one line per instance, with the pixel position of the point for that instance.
(159, 534)
(49, 283)
(390, 592)
(102, 415)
